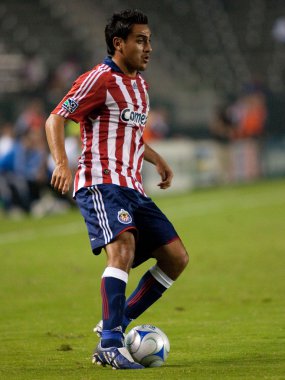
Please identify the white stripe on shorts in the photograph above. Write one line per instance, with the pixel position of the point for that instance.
(101, 213)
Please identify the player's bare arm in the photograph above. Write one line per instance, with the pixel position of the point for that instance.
(162, 167)
(61, 177)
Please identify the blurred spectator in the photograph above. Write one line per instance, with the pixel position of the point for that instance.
(25, 166)
(62, 78)
(243, 118)
(6, 138)
(31, 118)
(23, 172)
(157, 126)
(249, 113)
(278, 30)
(34, 72)
(223, 124)
(68, 71)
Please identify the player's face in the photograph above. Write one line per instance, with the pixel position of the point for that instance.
(135, 51)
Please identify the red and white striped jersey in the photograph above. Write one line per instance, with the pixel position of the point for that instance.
(112, 110)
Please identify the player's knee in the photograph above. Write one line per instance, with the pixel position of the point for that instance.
(174, 263)
(122, 260)
(182, 260)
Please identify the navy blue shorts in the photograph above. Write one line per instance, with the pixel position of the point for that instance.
(109, 210)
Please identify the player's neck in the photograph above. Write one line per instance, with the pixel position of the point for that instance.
(124, 68)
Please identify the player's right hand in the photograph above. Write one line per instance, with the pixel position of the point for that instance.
(61, 178)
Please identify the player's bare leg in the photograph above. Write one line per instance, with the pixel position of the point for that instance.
(121, 252)
(172, 258)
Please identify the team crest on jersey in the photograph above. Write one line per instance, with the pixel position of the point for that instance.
(70, 105)
(124, 217)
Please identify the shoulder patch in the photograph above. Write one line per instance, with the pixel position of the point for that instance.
(70, 105)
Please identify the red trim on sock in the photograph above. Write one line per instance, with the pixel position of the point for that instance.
(105, 305)
(142, 291)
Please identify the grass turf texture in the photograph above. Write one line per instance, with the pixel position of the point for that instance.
(224, 317)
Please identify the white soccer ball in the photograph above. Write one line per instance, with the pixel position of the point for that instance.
(148, 345)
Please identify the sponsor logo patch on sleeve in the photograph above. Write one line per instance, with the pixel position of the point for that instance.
(69, 105)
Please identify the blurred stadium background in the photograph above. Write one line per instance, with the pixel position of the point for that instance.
(217, 88)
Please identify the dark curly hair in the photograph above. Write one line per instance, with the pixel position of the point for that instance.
(120, 25)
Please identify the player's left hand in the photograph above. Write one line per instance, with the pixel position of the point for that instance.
(165, 173)
(61, 178)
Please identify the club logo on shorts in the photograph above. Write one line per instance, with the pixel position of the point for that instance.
(124, 217)
(70, 105)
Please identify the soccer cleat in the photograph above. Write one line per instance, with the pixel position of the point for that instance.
(98, 328)
(117, 358)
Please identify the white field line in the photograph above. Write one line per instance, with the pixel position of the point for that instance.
(175, 211)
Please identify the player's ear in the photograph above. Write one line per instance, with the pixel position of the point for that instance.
(117, 42)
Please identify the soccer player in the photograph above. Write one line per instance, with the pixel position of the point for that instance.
(111, 104)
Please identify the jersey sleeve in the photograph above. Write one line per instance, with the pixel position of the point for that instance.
(87, 94)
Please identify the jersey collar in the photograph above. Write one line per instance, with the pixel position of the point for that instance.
(108, 61)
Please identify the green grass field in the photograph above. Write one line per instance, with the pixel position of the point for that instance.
(225, 316)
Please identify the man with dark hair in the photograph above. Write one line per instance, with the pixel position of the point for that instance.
(120, 25)
(111, 103)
